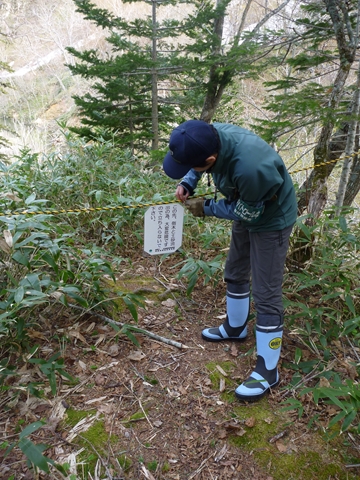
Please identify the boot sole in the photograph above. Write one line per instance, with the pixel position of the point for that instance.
(255, 398)
(229, 339)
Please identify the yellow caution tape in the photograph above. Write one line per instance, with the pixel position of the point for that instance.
(142, 205)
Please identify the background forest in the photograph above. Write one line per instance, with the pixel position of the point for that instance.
(89, 94)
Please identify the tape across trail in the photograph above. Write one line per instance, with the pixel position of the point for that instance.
(142, 205)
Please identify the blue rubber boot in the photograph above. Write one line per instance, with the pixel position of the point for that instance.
(237, 309)
(269, 331)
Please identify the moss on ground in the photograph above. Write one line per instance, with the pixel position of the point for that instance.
(305, 461)
(74, 416)
(215, 376)
(95, 441)
(139, 415)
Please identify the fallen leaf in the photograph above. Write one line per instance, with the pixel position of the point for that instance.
(99, 379)
(137, 356)
(281, 447)
(91, 327)
(250, 422)
(169, 303)
(100, 339)
(221, 454)
(157, 423)
(221, 371)
(56, 295)
(222, 434)
(11, 196)
(8, 238)
(34, 334)
(82, 365)
(4, 246)
(222, 384)
(95, 400)
(77, 334)
(234, 350)
(182, 390)
(114, 350)
(324, 382)
(105, 408)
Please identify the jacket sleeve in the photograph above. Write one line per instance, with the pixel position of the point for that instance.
(236, 210)
(190, 181)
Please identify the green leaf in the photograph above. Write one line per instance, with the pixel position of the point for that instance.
(343, 224)
(349, 302)
(337, 418)
(52, 381)
(30, 199)
(192, 282)
(126, 330)
(131, 306)
(34, 455)
(33, 280)
(332, 395)
(29, 429)
(348, 420)
(79, 299)
(19, 294)
(49, 259)
(21, 258)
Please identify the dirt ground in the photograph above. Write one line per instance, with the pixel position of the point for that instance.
(157, 411)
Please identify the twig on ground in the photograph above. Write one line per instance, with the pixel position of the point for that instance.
(102, 461)
(278, 436)
(140, 405)
(173, 343)
(307, 378)
(352, 346)
(146, 473)
(176, 299)
(201, 467)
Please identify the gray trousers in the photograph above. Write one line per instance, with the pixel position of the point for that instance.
(261, 255)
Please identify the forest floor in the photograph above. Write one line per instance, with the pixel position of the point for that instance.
(157, 411)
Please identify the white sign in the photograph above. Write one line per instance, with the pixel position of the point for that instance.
(163, 227)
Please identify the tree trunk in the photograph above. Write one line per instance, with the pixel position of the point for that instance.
(353, 186)
(336, 148)
(347, 50)
(154, 84)
(218, 80)
(349, 150)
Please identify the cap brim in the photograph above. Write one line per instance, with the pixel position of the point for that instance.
(174, 170)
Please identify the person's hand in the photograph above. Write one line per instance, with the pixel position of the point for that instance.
(181, 193)
(196, 206)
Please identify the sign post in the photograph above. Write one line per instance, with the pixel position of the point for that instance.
(163, 227)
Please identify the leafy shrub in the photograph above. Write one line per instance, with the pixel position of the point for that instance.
(323, 307)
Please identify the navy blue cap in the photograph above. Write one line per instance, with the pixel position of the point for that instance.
(191, 143)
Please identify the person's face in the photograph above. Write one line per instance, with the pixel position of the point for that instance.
(209, 163)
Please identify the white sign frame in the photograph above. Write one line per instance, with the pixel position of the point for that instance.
(163, 228)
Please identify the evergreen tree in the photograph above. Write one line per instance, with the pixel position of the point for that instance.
(146, 57)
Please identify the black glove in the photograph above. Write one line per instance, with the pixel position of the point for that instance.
(195, 206)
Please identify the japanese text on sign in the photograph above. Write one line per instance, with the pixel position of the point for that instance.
(163, 228)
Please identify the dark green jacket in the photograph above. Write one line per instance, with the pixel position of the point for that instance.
(257, 187)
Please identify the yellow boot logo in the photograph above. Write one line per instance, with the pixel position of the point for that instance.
(275, 343)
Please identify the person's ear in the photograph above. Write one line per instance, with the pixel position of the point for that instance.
(211, 160)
